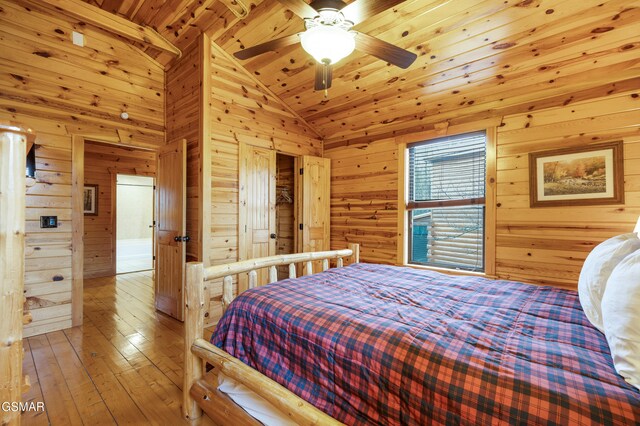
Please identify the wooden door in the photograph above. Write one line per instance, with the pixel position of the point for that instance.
(171, 227)
(257, 210)
(313, 204)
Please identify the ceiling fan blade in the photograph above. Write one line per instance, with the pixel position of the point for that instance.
(324, 75)
(300, 8)
(269, 46)
(386, 51)
(361, 10)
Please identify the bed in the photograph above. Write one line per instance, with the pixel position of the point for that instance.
(378, 344)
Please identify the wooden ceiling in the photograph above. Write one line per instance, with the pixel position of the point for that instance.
(476, 59)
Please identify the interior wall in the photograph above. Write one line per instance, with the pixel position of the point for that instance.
(538, 245)
(183, 118)
(102, 163)
(242, 111)
(58, 90)
(284, 209)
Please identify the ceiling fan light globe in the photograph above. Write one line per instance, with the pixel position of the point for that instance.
(328, 43)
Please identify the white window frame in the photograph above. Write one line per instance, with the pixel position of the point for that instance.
(490, 199)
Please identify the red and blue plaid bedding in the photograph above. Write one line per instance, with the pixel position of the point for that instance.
(376, 344)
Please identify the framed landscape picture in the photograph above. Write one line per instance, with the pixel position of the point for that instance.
(579, 176)
(90, 200)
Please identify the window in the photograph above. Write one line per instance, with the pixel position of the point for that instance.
(446, 204)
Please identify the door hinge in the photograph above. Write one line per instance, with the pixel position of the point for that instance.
(301, 171)
(154, 258)
(154, 187)
(300, 226)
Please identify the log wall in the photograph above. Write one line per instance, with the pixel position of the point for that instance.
(102, 163)
(242, 111)
(538, 245)
(60, 90)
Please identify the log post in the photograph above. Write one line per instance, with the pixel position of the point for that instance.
(325, 264)
(292, 270)
(253, 279)
(12, 227)
(227, 292)
(193, 330)
(273, 274)
(355, 248)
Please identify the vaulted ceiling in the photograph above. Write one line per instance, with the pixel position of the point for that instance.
(476, 59)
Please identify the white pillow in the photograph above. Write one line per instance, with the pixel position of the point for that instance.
(621, 317)
(596, 271)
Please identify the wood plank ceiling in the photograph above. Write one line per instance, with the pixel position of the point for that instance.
(476, 59)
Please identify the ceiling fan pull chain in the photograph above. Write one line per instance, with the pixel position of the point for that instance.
(325, 78)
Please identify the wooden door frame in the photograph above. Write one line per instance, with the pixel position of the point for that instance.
(77, 219)
(77, 224)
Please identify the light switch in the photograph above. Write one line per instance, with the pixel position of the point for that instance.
(48, 221)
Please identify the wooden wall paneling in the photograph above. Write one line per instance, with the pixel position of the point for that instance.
(60, 90)
(102, 164)
(242, 111)
(538, 245)
(13, 142)
(184, 118)
(77, 220)
(364, 199)
(48, 252)
(205, 151)
(115, 24)
(46, 76)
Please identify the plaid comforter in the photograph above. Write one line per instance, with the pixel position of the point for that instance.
(375, 344)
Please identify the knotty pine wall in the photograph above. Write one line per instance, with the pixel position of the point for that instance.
(60, 90)
(242, 111)
(183, 120)
(102, 163)
(541, 245)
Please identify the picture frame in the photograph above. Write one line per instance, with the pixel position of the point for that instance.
(90, 200)
(577, 176)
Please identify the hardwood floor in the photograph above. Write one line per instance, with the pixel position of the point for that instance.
(122, 366)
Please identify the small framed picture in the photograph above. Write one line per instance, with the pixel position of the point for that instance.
(578, 176)
(90, 200)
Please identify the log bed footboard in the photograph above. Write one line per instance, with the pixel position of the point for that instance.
(200, 393)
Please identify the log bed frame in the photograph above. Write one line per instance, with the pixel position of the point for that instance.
(199, 389)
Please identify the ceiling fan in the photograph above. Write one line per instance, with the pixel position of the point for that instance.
(328, 36)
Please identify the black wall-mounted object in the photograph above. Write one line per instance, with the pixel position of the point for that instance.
(48, 221)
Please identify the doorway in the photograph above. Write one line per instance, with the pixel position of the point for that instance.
(134, 223)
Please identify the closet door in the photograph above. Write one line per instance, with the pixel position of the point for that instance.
(257, 210)
(313, 204)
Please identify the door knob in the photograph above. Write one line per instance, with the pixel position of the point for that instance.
(273, 236)
(184, 239)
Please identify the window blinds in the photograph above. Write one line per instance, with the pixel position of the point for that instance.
(451, 168)
(446, 201)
